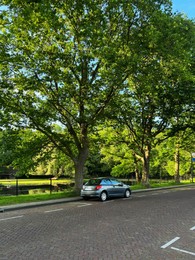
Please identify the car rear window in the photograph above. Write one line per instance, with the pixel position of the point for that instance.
(93, 182)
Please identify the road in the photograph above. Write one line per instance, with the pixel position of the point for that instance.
(156, 225)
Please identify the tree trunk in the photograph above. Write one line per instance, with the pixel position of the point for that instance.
(79, 163)
(79, 169)
(137, 177)
(146, 166)
(177, 161)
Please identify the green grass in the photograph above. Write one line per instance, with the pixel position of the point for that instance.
(157, 184)
(10, 200)
(35, 181)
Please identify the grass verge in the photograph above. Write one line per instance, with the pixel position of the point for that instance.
(11, 200)
(155, 184)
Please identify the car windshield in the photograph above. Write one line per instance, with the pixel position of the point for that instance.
(93, 182)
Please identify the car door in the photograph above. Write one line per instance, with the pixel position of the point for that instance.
(118, 188)
(108, 186)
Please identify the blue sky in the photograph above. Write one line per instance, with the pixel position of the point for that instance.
(185, 6)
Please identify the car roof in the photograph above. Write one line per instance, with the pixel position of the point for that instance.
(100, 178)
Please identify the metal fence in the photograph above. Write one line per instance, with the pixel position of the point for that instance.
(32, 186)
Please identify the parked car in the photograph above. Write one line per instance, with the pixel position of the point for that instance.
(104, 188)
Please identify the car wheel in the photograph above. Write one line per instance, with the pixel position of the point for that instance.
(103, 196)
(127, 193)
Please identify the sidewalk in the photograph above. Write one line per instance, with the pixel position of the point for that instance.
(65, 200)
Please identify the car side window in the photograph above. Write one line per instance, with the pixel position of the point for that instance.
(106, 182)
(115, 182)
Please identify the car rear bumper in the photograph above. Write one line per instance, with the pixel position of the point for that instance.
(91, 194)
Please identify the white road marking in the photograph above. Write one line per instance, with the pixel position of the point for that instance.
(193, 228)
(170, 242)
(53, 210)
(153, 194)
(140, 196)
(184, 251)
(84, 205)
(11, 218)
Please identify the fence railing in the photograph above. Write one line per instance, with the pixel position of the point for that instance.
(33, 186)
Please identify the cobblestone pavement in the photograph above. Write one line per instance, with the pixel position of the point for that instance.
(157, 225)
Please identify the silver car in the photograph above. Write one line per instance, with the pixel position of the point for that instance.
(104, 188)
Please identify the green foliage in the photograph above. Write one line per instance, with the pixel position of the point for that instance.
(165, 152)
(23, 149)
(30, 152)
(68, 65)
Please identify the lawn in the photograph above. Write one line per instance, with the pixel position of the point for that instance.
(27, 182)
(10, 200)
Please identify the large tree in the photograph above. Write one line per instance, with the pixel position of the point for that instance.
(63, 61)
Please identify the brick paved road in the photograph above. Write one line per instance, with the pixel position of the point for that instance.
(120, 229)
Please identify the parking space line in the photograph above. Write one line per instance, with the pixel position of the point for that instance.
(183, 251)
(53, 210)
(11, 218)
(193, 228)
(130, 198)
(170, 242)
(84, 205)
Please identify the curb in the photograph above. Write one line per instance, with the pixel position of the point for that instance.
(58, 201)
(38, 204)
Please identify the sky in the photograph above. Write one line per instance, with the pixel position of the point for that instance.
(185, 6)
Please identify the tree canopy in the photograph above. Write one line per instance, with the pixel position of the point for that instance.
(63, 62)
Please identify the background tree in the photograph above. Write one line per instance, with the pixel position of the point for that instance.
(24, 150)
(164, 159)
(116, 153)
(162, 88)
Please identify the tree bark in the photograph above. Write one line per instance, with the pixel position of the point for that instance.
(177, 161)
(79, 163)
(79, 169)
(137, 177)
(146, 167)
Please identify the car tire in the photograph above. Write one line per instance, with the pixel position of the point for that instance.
(103, 196)
(127, 193)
